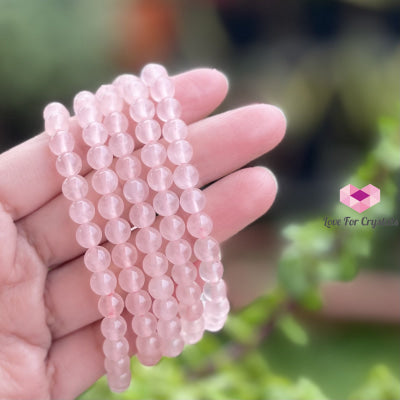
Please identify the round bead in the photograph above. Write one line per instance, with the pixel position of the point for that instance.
(178, 251)
(191, 312)
(169, 328)
(108, 99)
(149, 360)
(215, 324)
(88, 235)
(104, 181)
(172, 347)
(175, 129)
(165, 309)
(131, 279)
(110, 206)
(97, 259)
(121, 144)
(163, 87)
(180, 152)
(188, 294)
(142, 215)
(155, 264)
(95, 134)
(193, 200)
(119, 382)
(115, 349)
(68, 164)
(159, 178)
(116, 122)
(153, 154)
(82, 99)
(211, 271)
(113, 328)
(99, 156)
(172, 227)
(144, 325)
(110, 305)
(186, 176)
(132, 88)
(148, 131)
(88, 114)
(207, 249)
(214, 291)
(61, 142)
(192, 326)
(55, 108)
(75, 187)
(81, 211)
(56, 122)
(117, 230)
(142, 109)
(136, 190)
(166, 203)
(217, 309)
(138, 302)
(124, 255)
(103, 283)
(148, 240)
(192, 337)
(151, 72)
(199, 225)
(184, 274)
(128, 167)
(148, 345)
(119, 366)
(161, 287)
(169, 108)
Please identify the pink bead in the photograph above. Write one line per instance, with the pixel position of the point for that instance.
(148, 131)
(56, 122)
(153, 154)
(113, 328)
(188, 294)
(172, 347)
(103, 283)
(121, 144)
(136, 190)
(175, 129)
(81, 211)
(95, 134)
(108, 99)
(138, 303)
(117, 230)
(124, 255)
(115, 349)
(142, 109)
(68, 164)
(186, 176)
(216, 309)
(144, 325)
(166, 308)
(207, 249)
(97, 259)
(166, 203)
(191, 312)
(184, 274)
(169, 329)
(116, 122)
(151, 72)
(215, 324)
(128, 167)
(82, 99)
(110, 305)
(163, 87)
(87, 115)
(131, 88)
(142, 215)
(110, 206)
(211, 271)
(159, 178)
(99, 156)
(199, 225)
(104, 181)
(55, 108)
(161, 287)
(88, 235)
(148, 240)
(149, 360)
(192, 326)
(172, 227)
(119, 383)
(169, 108)
(119, 366)
(193, 200)
(155, 264)
(214, 291)
(61, 142)
(131, 279)
(75, 187)
(180, 152)
(148, 345)
(192, 337)
(178, 251)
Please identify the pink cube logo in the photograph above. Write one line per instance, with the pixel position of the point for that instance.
(360, 199)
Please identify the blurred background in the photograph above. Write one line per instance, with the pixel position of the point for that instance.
(317, 316)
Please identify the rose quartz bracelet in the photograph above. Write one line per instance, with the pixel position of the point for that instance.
(155, 229)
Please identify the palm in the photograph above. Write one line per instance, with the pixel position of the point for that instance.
(50, 342)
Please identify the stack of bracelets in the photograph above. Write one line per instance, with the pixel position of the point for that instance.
(173, 291)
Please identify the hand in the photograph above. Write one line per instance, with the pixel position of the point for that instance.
(50, 341)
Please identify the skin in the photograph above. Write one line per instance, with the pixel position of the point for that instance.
(50, 341)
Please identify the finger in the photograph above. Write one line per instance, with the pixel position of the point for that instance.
(77, 358)
(222, 144)
(28, 178)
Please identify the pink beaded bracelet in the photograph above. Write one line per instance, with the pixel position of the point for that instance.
(173, 291)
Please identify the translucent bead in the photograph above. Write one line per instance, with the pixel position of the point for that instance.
(88, 235)
(184, 274)
(166, 203)
(55, 108)
(186, 176)
(131, 279)
(110, 206)
(166, 308)
(116, 122)
(113, 328)
(142, 109)
(172, 347)
(172, 227)
(188, 294)
(161, 287)
(215, 324)
(207, 249)
(131, 88)
(138, 303)
(110, 305)
(119, 366)
(56, 122)
(199, 225)
(75, 188)
(159, 178)
(148, 240)
(117, 230)
(99, 156)
(191, 312)
(104, 181)
(124, 255)
(142, 215)
(163, 87)
(136, 190)
(108, 99)
(68, 164)
(192, 337)
(155, 264)
(169, 108)
(61, 142)
(115, 349)
(175, 129)
(97, 259)
(192, 326)
(81, 211)
(95, 134)
(121, 144)
(149, 360)
(214, 291)
(120, 382)
(103, 283)
(148, 345)
(151, 72)
(169, 329)
(211, 271)
(87, 115)
(216, 309)
(180, 152)
(128, 167)
(144, 325)
(148, 131)
(178, 251)
(193, 200)
(83, 98)
(153, 154)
